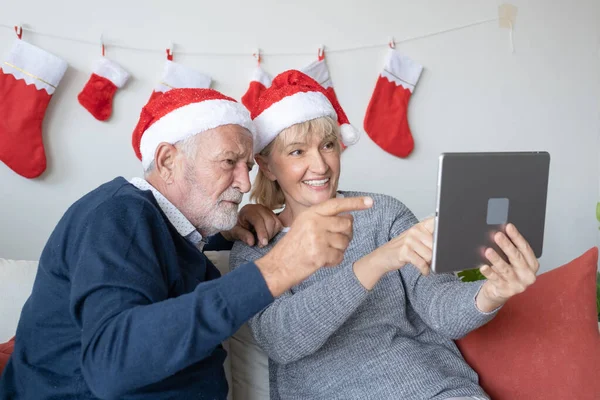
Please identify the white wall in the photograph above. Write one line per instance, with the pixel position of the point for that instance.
(473, 94)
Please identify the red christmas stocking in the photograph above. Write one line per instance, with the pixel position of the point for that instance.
(386, 119)
(259, 82)
(28, 79)
(319, 71)
(178, 76)
(97, 95)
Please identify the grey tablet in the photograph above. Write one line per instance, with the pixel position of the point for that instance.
(478, 194)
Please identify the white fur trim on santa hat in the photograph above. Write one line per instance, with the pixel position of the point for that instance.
(190, 120)
(35, 66)
(110, 70)
(261, 76)
(319, 72)
(291, 110)
(178, 76)
(401, 70)
(350, 134)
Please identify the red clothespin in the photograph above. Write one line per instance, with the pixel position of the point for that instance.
(258, 57)
(102, 45)
(19, 31)
(392, 43)
(321, 53)
(170, 52)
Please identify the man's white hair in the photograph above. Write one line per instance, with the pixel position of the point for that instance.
(187, 146)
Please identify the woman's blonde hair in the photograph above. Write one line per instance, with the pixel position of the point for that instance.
(268, 192)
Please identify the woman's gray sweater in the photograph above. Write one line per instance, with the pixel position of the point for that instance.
(330, 338)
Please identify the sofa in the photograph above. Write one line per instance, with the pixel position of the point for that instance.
(247, 366)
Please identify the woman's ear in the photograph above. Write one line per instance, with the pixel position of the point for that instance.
(263, 164)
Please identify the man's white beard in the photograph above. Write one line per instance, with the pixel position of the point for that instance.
(221, 216)
(210, 219)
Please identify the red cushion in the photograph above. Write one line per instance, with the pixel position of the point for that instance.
(6, 350)
(544, 343)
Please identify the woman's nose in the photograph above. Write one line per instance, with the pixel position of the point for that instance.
(318, 164)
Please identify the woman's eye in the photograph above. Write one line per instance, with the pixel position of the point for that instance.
(296, 153)
(329, 145)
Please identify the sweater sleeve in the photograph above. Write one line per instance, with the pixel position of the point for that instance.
(296, 325)
(133, 335)
(443, 301)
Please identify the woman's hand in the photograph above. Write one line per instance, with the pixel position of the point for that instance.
(506, 279)
(413, 246)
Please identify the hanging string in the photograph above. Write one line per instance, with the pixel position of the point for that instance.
(201, 53)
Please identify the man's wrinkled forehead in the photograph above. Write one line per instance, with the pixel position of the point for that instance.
(229, 139)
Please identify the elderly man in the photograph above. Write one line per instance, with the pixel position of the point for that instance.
(125, 305)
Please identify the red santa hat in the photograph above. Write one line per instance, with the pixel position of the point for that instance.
(292, 98)
(181, 113)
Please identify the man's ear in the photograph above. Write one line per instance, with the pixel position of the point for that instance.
(263, 164)
(164, 161)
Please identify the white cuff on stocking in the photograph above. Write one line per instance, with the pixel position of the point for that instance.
(319, 72)
(261, 76)
(110, 70)
(35, 66)
(401, 70)
(177, 76)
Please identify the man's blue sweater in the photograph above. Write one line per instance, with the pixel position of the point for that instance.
(125, 307)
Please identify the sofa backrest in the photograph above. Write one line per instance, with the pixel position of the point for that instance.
(16, 281)
(249, 365)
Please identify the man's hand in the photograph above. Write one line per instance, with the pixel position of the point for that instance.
(318, 238)
(505, 280)
(254, 218)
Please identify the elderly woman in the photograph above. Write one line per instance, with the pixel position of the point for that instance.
(377, 326)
